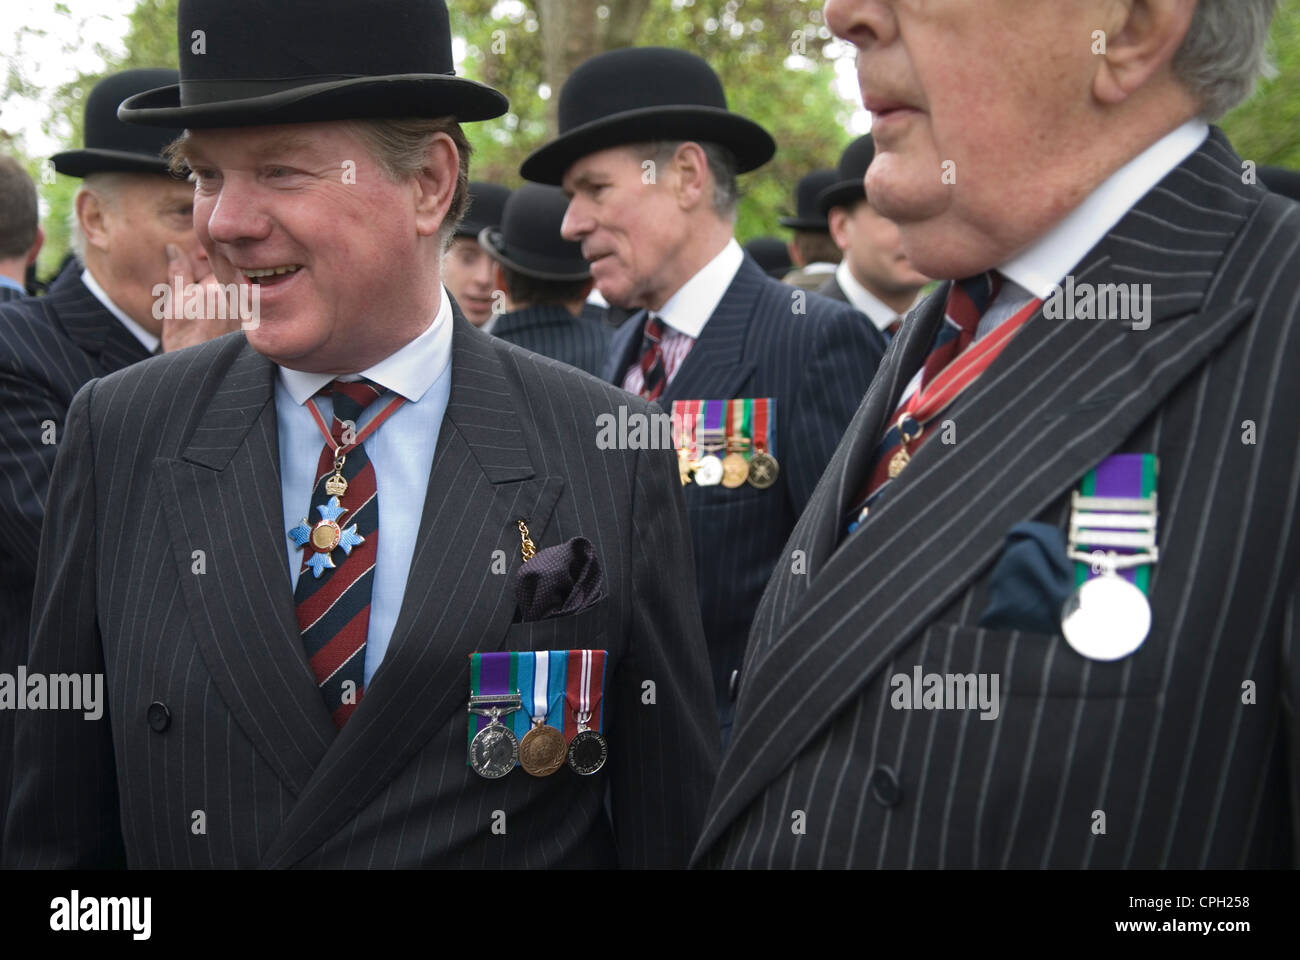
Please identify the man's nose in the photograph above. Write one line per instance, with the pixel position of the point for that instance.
(236, 215)
(576, 223)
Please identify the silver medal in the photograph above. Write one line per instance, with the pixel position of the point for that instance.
(708, 472)
(1107, 618)
(494, 751)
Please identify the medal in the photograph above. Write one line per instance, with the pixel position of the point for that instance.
(542, 750)
(327, 535)
(684, 414)
(335, 484)
(493, 746)
(588, 749)
(908, 430)
(763, 468)
(708, 472)
(735, 467)
(1112, 540)
(711, 437)
(735, 470)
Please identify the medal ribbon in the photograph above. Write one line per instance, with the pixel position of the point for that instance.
(491, 674)
(1126, 475)
(735, 424)
(370, 427)
(584, 691)
(763, 408)
(541, 678)
(684, 414)
(713, 415)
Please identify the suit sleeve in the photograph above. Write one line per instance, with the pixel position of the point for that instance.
(63, 809)
(25, 463)
(845, 356)
(668, 746)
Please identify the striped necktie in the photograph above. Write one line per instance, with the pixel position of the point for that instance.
(333, 591)
(653, 373)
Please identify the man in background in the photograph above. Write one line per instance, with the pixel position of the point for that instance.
(546, 282)
(466, 267)
(21, 236)
(812, 251)
(875, 275)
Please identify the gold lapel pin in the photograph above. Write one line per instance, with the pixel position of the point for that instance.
(526, 547)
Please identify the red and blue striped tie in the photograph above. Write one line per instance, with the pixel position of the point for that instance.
(653, 373)
(334, 608)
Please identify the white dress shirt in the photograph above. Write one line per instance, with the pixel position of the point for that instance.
(147, 339)
(401, 450)
(863, 300)
(687, 311)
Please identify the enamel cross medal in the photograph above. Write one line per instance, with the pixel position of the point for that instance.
(326, 536)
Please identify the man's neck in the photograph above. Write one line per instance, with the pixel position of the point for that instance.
(15, 270)
(699, 251)
(898, 301)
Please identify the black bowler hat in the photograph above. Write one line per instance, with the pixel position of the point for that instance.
(112, 146)
(487, 201)
(252, 62)
(808, 216)
(1281, 180)
(849, 189)
(772, 254)
(639, 94)
(529, 240)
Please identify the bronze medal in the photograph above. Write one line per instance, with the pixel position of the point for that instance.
(763, 469)
(735, 470)
(587, 751)
(325, 536)
(542, 751)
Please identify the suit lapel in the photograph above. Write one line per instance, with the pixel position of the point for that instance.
(482, 481)
(716, 365)
(223, 497)
(91, 325)
(624, 349)
(1060, 397)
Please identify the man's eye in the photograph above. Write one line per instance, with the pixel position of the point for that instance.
(199, 174)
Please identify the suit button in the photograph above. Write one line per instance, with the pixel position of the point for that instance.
(733, 685)
(160, 718)
(885, 788)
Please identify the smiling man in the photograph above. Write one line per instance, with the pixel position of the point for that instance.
(1090, 502)
(361, 594)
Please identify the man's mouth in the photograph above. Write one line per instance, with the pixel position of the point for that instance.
(269, 276)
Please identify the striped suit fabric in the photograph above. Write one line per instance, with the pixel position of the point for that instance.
(1181, 755)
(549, 329)
(815, 358)
(181, 455)
(9, 293)
(49, 347)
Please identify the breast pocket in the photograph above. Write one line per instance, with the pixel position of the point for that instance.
(585, 630)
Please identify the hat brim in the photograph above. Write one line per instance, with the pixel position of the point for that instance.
(82, 163)
(543, 268)
(843, 194)
(357, 98)
(806, 223)
(751, 145)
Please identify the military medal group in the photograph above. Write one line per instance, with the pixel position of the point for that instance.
(726, 442)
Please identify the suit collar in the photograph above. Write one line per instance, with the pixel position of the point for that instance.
(90, 325)
(535, 317)
(943, 523)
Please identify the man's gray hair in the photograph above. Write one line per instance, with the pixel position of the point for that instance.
(722, 167)
(1225, 52)
(106, 186)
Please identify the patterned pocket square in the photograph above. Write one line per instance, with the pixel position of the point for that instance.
(559, 581)
(1031, 581)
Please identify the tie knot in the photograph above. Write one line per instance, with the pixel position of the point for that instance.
(654, 328)
(971, 297)
(351, 397)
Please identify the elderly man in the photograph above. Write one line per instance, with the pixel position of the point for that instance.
(361, 593)
(764, 377)
(468, 269)
(1062, 631)
(874, 275)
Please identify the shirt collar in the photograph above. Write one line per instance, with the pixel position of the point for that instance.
(11, 283)
(689, 309)
(860, 298)
(1040, 267)
(408, 372)
(147, 339)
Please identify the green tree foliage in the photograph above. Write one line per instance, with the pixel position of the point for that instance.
(1266, 128)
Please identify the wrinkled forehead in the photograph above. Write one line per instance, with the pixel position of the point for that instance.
(604, 166)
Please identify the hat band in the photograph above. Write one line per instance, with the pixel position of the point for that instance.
(195, 93)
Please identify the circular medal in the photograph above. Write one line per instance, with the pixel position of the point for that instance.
(587, 752)
(708, 472)
(762, 470)
(735, 470)
(542, 750)
(1106, 619)
(325, 536)
(493, 751)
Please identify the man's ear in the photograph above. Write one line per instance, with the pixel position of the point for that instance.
(796, 255)
(1143, 38)
(692, 183)
(91, 214)
(35, 250)
(839, 221)
(435, 185)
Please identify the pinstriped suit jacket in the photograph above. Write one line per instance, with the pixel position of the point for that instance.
(1161, 743)
(817, 365)
(549, 329)
(9, 293)
(180, 455)
(49, 347)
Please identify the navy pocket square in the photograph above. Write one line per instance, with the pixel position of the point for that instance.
(1031, 582)
(559, 581)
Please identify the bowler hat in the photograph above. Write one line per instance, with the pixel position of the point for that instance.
(640, 94)
(772, 254)
(250, 62)
(529, 239)
(808, 216)
(487, 201)
(112, 146)
(849, 189)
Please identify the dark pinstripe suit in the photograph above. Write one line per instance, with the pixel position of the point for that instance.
(817, 366)
(180, 455)
(832, 289)
(1161, 742)
(549, 329)
(9, 293)
(49, 347)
